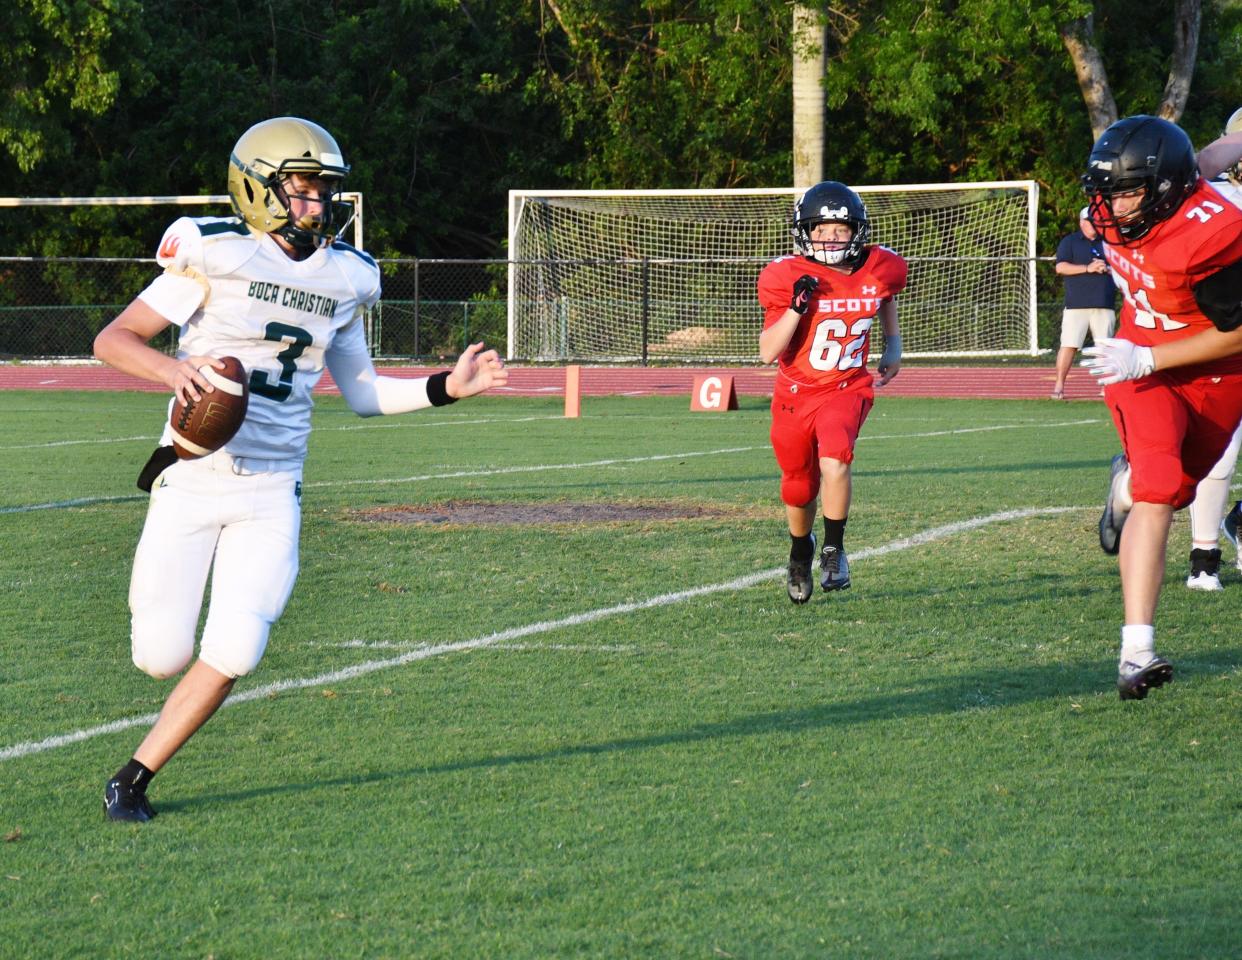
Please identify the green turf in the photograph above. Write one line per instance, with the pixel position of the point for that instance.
(931, 764)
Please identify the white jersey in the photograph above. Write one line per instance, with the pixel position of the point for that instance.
(236, 292)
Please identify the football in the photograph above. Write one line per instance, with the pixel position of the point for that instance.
(204, 426)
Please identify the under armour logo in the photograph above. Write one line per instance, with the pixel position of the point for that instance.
(871, 290)
(1138, 256)
(787, 407)
(828, 213)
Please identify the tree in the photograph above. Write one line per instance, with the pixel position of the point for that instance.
(1078, 35)
(809, 63)
(59, 62)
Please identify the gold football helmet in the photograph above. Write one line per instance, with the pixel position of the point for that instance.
(259, 168)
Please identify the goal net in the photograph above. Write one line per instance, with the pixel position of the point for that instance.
(655, 275)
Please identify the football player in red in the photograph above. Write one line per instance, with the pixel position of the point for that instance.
(1173, 373)
(819, 310)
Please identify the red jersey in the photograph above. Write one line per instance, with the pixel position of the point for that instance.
(834, 336)
(1157, 275)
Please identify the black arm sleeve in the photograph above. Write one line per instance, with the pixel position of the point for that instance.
(1219, 296)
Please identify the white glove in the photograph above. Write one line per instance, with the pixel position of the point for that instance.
(1114, 360)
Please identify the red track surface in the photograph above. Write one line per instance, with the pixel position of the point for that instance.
(1008, 383)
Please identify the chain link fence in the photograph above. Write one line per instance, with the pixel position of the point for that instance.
(53, 307)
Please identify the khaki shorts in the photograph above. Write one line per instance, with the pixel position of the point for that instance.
(1075, 323)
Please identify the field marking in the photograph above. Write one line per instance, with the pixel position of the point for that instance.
(417, 422)
(532, 468)
(562, 647)
(539, 467)
(499, 640)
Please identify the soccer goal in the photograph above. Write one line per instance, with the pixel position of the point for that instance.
(655, 275)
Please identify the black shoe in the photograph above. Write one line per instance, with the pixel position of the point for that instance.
(798, 577)
(123, 802)
(1134, 681)
(1111, 522)
(834, 568)
(1233, 519)
(1204, 570)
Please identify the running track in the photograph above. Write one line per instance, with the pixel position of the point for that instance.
(999, 382)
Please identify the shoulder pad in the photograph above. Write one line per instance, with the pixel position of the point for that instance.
(181, 246)
(226, 243)
(361, 269)
(360, 254)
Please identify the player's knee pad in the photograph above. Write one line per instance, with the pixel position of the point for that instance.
(158, 650)
(797, 490)
(234, 643)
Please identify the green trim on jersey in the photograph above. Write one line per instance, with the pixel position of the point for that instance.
(232, 225)
(366, 257)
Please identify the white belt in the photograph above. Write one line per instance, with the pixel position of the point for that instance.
(245, 466)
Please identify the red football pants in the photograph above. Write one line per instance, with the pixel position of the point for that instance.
(1174, 425)
(813, 422)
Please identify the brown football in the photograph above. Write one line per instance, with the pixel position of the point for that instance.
(204, 426)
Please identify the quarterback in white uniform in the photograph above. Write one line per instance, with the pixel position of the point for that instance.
(276, 289)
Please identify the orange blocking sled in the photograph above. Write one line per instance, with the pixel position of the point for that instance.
(713, 393)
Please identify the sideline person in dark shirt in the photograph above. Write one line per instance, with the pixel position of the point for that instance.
(1090, 296)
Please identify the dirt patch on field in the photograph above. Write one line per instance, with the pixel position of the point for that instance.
(484, 513)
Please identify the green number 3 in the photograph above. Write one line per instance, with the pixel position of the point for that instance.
(298, 340)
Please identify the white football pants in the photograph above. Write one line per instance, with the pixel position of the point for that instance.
(1211, 501)
(247, 520)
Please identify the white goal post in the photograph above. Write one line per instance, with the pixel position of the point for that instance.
(669, 275)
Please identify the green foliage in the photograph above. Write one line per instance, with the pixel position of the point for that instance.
(61, 62)
(661, 95)
(443, 106)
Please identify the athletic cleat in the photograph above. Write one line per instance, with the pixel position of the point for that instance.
(1111, 522)
(1204, 570)
(798, 577)
(834, 568)
(123, 802)
(1229, 526)
(1133, 681)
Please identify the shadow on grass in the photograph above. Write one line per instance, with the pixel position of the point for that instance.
(983, 690)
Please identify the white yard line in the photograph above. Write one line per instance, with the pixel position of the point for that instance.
(505, 637)
(421, 422)
(541, 467)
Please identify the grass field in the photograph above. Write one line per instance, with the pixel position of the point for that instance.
(619, 738)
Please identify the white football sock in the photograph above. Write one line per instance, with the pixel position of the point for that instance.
(1138, 643)
(1122, 501)
(1209, 506)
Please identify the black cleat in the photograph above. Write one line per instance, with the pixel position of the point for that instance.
(1233, 519)
(798, 577)
(1111, 522)
(123, 802)
(834, 568)
(1204, 570)
(1134, 681)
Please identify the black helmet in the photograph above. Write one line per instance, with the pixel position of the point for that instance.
(830, 202)
(1139, 153)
